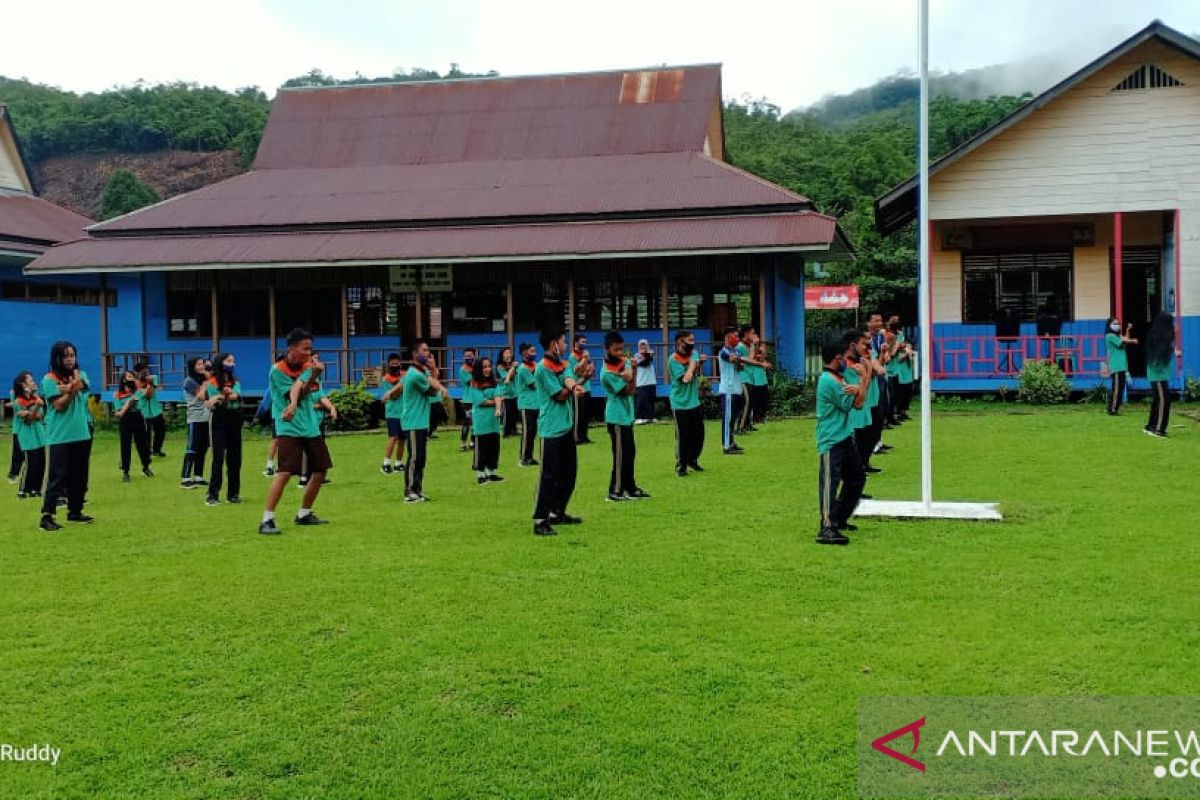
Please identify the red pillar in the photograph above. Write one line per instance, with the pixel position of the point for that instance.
(1177, 310)
(1118, 247)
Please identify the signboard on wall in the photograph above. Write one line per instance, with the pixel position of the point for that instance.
(826, 297)
(431, 279)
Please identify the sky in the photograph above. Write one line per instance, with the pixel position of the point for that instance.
(790, 52)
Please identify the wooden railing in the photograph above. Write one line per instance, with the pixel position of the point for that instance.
(1079, 355)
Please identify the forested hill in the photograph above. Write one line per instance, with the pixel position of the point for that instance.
(111, 152)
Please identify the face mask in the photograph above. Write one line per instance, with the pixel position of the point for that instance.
(688, 348)
(1115, 327)
(529, 358)
(422, 360)
(469, 360)
(614, 360)
(231, 369)
(394, 370)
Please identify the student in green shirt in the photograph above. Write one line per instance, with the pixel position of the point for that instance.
(485, 421)
(68, 434)
(1160, 368)
(557, 390)
(1115, 344)
(17, 457)
(859, 352)
(619, 381)
(130, 409)
(223, 396)
(581, 365)
(298, 429)
(152, 408)
(839, 466)
(420, 387)
(527, 402)
(29, 431)
(467, 401)
(326, 411)
(393, 408)
(685, 371)
(506, 380)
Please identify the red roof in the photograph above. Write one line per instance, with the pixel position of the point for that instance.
(545, 116)
(31, 224)
(544, 166)
(471, 190)
(804, 230)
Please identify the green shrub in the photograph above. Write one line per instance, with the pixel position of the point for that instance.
(1191, 389)
(790, 397)
(353, 404)
(1042, 383)
(1096, 394)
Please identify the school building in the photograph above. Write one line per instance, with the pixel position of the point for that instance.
(28, 226)
(468, 212)
(1082, 204)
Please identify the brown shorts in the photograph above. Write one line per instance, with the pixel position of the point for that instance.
(293, 449)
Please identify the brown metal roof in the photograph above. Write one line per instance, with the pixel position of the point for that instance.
(462, 191)
(37, 222)
(551, 116)
(795, 231)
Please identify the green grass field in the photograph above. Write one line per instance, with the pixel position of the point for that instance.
(695, 645)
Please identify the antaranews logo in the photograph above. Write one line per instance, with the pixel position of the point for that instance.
(914, 728)
(1029, 746)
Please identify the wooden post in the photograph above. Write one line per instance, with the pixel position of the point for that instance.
(570, 310)
(508, 319)
(761, 323)
(664, 313)
(216, 335)
(1118, 267)
(105, 366)
(420, 313)
(344, 359)
(272, 321)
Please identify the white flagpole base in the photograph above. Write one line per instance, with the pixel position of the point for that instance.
(915, 509)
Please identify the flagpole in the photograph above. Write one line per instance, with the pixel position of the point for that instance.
(923, 288)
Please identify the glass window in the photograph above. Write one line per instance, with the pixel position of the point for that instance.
(1020, 283)
(189, 314)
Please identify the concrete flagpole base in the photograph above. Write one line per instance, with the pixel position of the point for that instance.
(915, 509)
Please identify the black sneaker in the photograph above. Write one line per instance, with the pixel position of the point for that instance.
(149, 473)
(871, 470)
(386, 469)
(865, 496)
(199, 482)
(22, 495)
(62, 502)
(885, 448)
(269, 472)
(616, 498)
(831, 536)
(400, 469)
(695, 465)
(159, 454)
(481, 479)
(734, 451)
(413, 498)
(302, 482)
(533, 462)
(543, 529)
(81, 518)
(846, 526)
(567, 519)
(233, 498)
(494, 478)
(681, 472)
(638, 494)
(212, 501)
(269, 528)
(188, 485)
(125, 477)
(310, 519)
(35, 494)
(48, 523)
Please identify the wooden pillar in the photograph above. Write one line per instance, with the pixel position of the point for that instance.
(216, 330)
(420, 314)
(1118, 267)
(105, 360)
(761, 323)
(508, 314)
(272, 321)
(664, 308)
(570, 311)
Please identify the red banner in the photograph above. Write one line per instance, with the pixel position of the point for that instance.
(816, 297)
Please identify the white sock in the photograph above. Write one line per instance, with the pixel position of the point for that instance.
(387, 462)
(268, 516)
(482, 473)
(270, 464)
(304, 512)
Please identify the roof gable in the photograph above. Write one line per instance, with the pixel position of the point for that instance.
(14, 173)
(897, 207)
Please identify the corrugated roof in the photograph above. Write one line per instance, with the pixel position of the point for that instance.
(795, 231)
(37, 222)
(459, 191)
(550, 116)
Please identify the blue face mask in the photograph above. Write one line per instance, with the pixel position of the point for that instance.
(231, 369)
(422, 360)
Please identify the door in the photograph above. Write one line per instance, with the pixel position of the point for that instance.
(1141, 298)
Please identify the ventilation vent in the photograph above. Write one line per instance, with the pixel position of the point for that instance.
(1147, 76)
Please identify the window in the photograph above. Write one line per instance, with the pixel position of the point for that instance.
(69, 294)
(1020, 282)
(316, 309)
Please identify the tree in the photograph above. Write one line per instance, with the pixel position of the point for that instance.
(125, 193)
